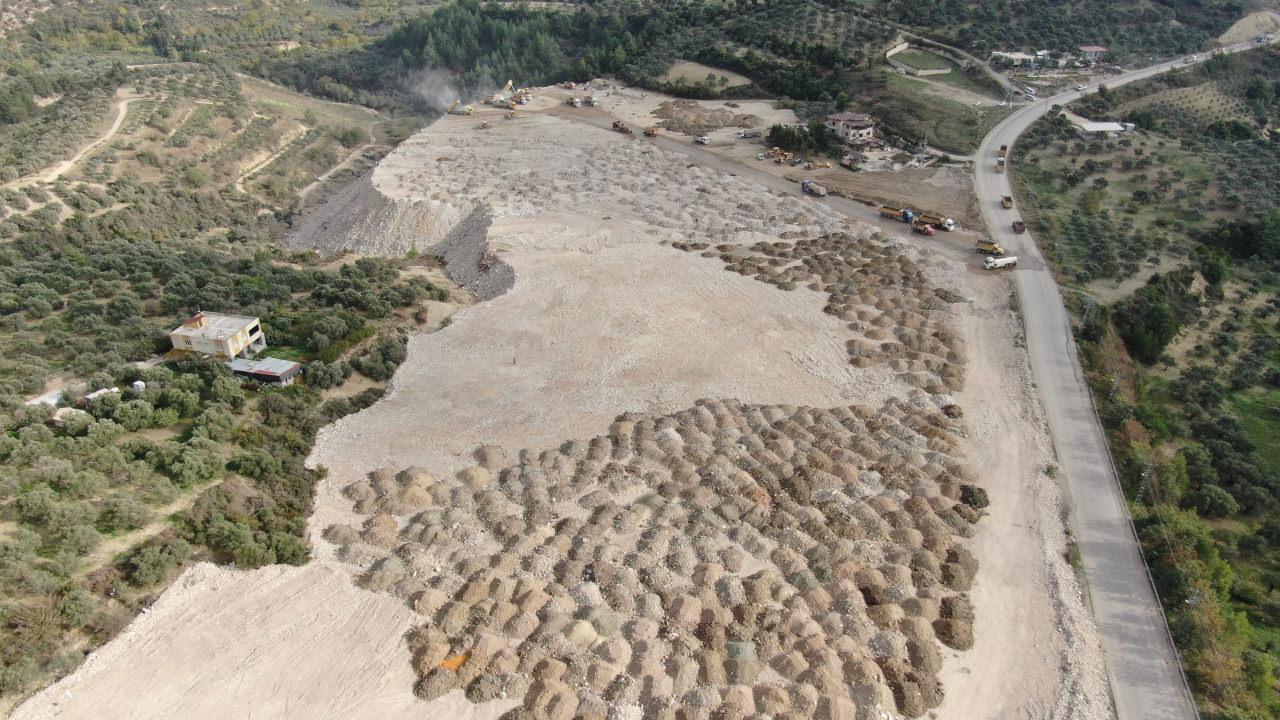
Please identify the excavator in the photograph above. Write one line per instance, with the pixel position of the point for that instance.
(457, 108)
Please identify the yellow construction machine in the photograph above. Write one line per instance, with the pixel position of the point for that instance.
(457, 108)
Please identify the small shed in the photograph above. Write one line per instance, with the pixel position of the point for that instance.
(268, 371)
(1093, 53)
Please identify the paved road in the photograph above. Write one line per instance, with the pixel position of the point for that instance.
(1146, 679)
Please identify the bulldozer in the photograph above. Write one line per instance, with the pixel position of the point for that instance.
(522, 96)
(457, 108)
(651, 131)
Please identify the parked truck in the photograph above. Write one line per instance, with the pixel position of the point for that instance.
(748, 134)
(1006, 202)
(1019, 226)
(900, 214)
(574, 102)
(989, 247)
(813, 188)
(937, 221)
(621, 127)
(999, 164)
(593, 101)
(993, 263)
(922, 227)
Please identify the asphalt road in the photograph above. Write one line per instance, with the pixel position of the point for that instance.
(1142, 662)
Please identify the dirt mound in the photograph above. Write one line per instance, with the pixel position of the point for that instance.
(692, 118)
(361, 219)
(795, 559)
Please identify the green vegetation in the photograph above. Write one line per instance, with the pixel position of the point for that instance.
(923, 60)
(1183, 355)
(1131, 30)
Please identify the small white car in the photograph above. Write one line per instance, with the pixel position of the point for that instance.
(1081, 87)
(976, 103)
(702, 140)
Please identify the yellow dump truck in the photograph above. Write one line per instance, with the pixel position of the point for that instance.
(989, 247)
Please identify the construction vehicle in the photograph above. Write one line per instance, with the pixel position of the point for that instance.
(651, 131)
(989, 247)
(937, 221)
(1019, 226)
(999, 164)
(1004, 151)
(568, 85)
(1219, 52)
(575, 102)
(457, 108)
(1006, 202)
(994, 263)
(813, 188)
(511, 115)
(485, 125)
(819, 165)
(922, 227)
(900, 214)
(499, 98)
(622, 127)
(748, 134)
(593, 101)
(523, 96)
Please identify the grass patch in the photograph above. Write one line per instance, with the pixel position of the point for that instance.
(1259, 411)
(923, 60)
(946, 124)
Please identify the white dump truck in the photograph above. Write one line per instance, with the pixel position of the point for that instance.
(995, 263)
(813, 188)
(746, 134)
(702, 140)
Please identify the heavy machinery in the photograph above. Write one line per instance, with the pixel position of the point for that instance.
(457, 108)
(702, 140)
(622, 127)
(501, 98)
(574, 101)
(748, 134)
(511, 115)
(593, 101)
(819, 165)
(651, 131)
(485, 125)
(999, 164)
(937, 221)
(905, 215)
(989, 247)
(922, 227)
(813, 188)
(1019, 226)
(568, 85)
(1004, 151)
(522, 96)
(994, 263)
(1006, 202)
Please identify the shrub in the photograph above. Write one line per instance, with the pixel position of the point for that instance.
(1213, 501)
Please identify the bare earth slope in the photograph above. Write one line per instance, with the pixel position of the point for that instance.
(816, 557)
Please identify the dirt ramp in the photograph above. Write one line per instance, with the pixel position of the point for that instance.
(362, 219)
(469, 260)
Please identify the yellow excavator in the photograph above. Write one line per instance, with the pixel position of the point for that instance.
(457, 108)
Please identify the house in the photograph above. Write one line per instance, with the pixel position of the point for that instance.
(852, 127)
(224, 336)
(268, 371)
(1012, 58)
(1088, 128)
(1092, 53)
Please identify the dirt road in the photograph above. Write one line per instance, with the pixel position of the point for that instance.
(119, 108)
(1145, 672)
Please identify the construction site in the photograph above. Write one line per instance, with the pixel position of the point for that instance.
(703, 447)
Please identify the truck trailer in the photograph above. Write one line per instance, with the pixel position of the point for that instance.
(813, 188)
(937, 221)
(900, 214)
(922, 227)
(994, 263)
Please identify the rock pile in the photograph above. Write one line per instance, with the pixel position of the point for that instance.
(725, 561)
(693, 118)
(882, 293)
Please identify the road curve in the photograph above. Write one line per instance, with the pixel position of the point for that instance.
(1142, 663)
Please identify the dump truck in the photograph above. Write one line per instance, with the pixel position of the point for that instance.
(900, 214)
(593, 101)
(993, 263)
(747, 134)
(575, 102)
(989, 247)
(622, 127)
(651, 131)
(1019, 226)
(1006, 202)
(922, 227)
(1004, 151)
(813, 188)
(702, 140)
(999, 164)
(457, 108)
(937, 221)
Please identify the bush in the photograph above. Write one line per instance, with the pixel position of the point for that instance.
(153, 561)
(1213, 501)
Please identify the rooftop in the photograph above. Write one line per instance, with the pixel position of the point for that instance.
(1100, 127)
(1093, 48)
(265, 366)
(850, 117)
(214, 325)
